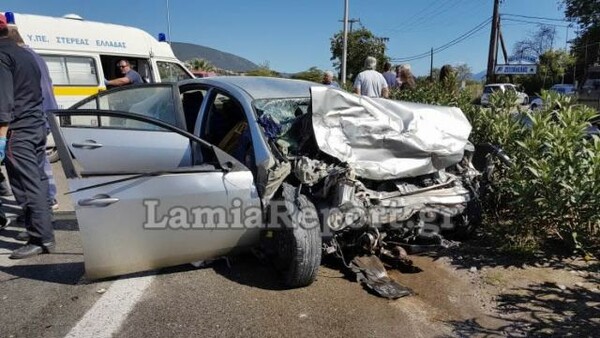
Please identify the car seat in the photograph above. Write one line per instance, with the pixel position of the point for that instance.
(191, 102)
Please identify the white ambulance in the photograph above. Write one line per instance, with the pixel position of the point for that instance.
(81, 54)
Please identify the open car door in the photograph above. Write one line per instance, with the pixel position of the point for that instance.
(126, 147)
(162, 208)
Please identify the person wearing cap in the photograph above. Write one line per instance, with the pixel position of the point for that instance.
(328, 80)
(129, 77)
(23, 141)
(370, 82)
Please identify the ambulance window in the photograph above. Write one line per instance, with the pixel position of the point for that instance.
(171, 72)
(72, 70)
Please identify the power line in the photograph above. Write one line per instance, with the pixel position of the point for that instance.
(445, 22)
(536, 22)
(420, 15)
(447, 45)
(534, 17)
(452, 42)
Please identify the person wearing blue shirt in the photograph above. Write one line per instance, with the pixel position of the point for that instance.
(129, 77)
(388, 75)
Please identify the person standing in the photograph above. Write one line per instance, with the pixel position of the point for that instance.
(129, 77)
(388, 75)
(370, 82)
(407, 79)
(49, 103)
(23, 141)
(328, 80)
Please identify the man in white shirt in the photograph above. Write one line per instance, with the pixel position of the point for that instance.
(370, 82)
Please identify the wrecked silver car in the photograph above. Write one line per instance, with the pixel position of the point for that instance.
(166, 174)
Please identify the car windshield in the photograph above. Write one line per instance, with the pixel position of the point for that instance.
(491, 89)
(282, 111)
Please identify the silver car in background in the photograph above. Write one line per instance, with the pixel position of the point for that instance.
(488, 89)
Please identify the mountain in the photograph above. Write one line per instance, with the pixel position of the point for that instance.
(187, 51)
(479, 76)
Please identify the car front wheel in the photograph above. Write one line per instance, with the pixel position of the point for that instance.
(296, 241)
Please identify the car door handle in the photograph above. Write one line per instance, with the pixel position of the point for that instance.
(87, 144)
(97, 201)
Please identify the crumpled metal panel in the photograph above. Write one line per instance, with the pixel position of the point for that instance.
(371, 273)
(384, 139)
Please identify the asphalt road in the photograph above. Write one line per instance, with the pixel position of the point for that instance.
(47, 296)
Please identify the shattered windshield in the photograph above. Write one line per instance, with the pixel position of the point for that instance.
(282, 111)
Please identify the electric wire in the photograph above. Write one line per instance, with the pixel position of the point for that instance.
(447, 45)
(534, 17)
(535, 22)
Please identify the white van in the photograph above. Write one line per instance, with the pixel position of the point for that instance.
(80, 54)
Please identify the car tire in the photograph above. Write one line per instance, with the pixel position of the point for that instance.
(52, 154)
(297, 242)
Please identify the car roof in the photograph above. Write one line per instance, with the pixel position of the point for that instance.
(499, 84)
(259, 87)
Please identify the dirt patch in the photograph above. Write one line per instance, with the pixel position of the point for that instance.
(485, 295)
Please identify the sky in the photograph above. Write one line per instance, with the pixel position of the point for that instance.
(293, 35)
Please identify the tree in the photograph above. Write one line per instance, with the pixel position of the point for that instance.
(586, 46)
(553, 64)
(313, 74)
(263, 70)
(537, 43)
(200, 64)
(361, 43)
(463, 72)
(585, 12)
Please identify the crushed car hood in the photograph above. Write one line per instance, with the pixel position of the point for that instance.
(384, 139)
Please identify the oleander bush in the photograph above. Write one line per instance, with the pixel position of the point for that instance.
(552, 189)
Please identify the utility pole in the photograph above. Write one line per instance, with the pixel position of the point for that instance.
(345, 43)
(351, 22)
(431, 66)
(168, 23)
(493, 42)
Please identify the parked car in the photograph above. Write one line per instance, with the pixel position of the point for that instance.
(522, 98)
(166, 174)
(589, 92)
(564, 89)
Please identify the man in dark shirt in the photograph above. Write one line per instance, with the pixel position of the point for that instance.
(23, 140)
(130, 76)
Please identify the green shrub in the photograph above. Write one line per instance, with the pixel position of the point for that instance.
(552, 190)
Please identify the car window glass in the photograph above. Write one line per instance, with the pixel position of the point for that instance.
(490, 89)
(174, 149)
(284, 112)
(155, 102)
(171, 72)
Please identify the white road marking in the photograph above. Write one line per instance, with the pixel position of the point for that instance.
(110, 311)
